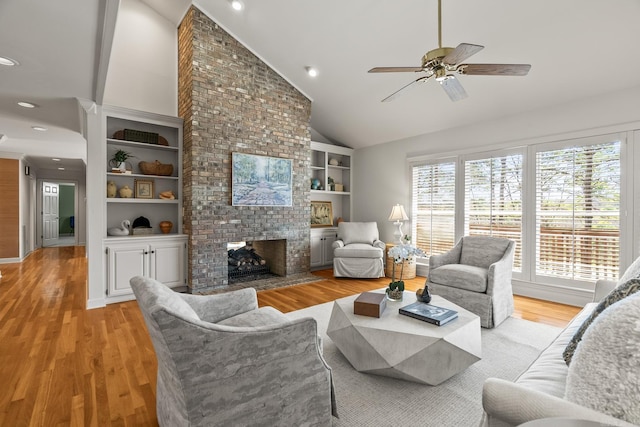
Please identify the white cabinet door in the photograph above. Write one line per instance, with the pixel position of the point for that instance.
(329, 238)
(322, 246)
(316, 249)
(124, 262)
(167, 263)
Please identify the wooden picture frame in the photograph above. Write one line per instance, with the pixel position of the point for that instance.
(143, 189)
(321, 214)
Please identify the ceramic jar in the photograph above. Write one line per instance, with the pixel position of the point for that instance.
(125, 192)
(111, 189)
(165, 226)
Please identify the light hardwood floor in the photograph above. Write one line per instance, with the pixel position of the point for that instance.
(61, 364)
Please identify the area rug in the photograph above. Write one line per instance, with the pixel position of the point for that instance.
(374, 401)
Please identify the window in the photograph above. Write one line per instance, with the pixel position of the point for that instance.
(578, 212)
(493, 200)
(434, 206)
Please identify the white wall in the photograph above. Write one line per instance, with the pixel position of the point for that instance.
(381, 173)
(143, 68)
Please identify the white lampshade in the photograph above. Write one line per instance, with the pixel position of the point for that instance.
(398, 214)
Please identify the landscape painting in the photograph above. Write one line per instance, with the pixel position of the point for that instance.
(261, 180)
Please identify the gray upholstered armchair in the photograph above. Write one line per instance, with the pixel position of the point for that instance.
(224, 361)
(476, 275)
(358, 251)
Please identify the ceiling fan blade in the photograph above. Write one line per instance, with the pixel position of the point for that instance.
(494, 69)
(462, 52)
(397, 93)
(454, 89)
(395, 69)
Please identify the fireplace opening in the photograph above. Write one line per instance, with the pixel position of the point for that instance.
(257, 260)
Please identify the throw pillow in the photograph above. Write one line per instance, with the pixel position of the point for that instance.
(630, 287)
(605, 372)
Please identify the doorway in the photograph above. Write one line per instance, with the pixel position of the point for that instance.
(58, 214)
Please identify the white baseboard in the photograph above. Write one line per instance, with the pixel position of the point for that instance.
(562, 294)
(10, 260)
(96, 303)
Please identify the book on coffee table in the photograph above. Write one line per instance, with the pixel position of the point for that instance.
(429, 313)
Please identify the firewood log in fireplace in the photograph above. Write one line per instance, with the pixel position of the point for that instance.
(243, 256)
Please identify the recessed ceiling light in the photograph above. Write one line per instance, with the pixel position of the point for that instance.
(8, 61)
(56, 160)
(237, 5)
(60, 169)
(26, 104)
(39, 128)
(311, 71)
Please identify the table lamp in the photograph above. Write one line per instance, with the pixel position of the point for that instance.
(398, 215)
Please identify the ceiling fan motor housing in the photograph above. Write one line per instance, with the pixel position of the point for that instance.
(434, 57)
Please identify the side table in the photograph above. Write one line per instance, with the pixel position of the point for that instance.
(409, 271)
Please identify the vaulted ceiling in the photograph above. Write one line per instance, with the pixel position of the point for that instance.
(577, 48)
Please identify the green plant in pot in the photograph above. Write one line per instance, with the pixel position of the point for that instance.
(400, 254)
(119, 159)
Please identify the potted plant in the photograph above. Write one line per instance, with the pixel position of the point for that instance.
(119, 159)
(400, 254)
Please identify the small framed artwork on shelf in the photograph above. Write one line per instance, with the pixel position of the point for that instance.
(321, 214)
(143, 189)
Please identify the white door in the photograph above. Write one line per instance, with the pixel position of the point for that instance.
(50, 218)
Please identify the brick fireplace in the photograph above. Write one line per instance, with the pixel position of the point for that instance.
(232, 102)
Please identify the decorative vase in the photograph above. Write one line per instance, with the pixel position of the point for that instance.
(424, 295)
(394, 295)
(125, 192)
(165, 226)
(111, 189)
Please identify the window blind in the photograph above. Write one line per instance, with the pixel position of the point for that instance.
(578, 212)
(433, 207)
(493, 200)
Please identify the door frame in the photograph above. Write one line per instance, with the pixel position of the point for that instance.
(39, 218)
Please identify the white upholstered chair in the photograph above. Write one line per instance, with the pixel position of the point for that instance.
(358, 251)
(476, 275)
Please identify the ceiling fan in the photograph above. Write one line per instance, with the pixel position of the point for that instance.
(443, 62)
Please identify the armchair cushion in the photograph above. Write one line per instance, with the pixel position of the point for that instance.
(461, 276)
(253, 318)
(482, 251)
(159, 296)
(358, 250)
(358, 232)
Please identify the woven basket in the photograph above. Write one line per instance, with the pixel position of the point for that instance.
(140, 136)
(155, 168)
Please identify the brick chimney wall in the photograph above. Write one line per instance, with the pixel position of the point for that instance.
(233, 102)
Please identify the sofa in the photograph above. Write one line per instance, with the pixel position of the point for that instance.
(602, 381)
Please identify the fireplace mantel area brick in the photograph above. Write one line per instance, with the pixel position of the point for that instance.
(232, 102)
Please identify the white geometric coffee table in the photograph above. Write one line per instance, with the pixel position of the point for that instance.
(401, 347)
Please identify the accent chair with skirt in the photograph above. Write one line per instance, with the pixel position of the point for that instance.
(223, 361)
(358, 252)
(476, 275)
